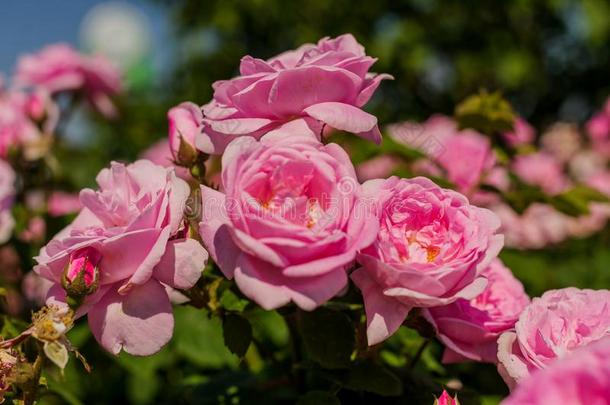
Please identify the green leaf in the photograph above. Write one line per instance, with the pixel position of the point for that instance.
(373, 378)
(485, 112)
(328, 337)
(318, 398)
(199, 339)
(231, 302)
(237, 334)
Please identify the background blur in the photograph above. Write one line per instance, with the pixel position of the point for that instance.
(551, 59)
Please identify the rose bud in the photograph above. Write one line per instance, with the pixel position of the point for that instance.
(81, 275)
(445, 399)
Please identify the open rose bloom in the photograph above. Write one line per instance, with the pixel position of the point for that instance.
(121, 251)
(431, 250)
(582, 378)
(324, 83)
(551, 327)
(58, 68)
(288, 221)
(470, 328)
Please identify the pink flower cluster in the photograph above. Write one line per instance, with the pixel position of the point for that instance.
(117, 257)
(291, 223)
(59, 68)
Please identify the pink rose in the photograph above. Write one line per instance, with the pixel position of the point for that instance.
(185, 123)
(428, 137)
(431, 249)
(446, 146)
(522, 134)
(61, 203)
(324, 83)
(129, 242)
(22, 115)
(7, 197)
(551, 327)
(290, 220)
(58, 68)
(542, 170)
(598, 126)
(465, 158)
(582, 378)
(539, 226)
(379, 166)
(36, 288)
(470, 328)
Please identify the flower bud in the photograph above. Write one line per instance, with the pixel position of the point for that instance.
(81, 275)
(445, 399)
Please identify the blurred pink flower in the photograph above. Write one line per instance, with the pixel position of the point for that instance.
(326, 83)
(431, 249)
(290, 220)
(35, 231)
(36, 288)
(379, 166)
(562, 141)
(466, 157)
(58, 68)
(469, 329)
(7, 196)
(539, 226)
(23, 118)
(582, 378)
(61, 203)
(550, 328)
(134, 222)
(598, 128)
(542, 170)
(522, 134)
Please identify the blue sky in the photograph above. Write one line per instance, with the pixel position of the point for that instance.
(28, 25)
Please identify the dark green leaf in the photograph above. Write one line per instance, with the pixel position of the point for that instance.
(318, 398)
(237, 334)
(373, 378)
(199, 339)
(328, 336)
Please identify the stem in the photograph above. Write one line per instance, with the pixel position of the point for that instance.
(31, 391)
(298, 373)
(418, 354)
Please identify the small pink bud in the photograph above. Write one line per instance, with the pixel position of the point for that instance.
(445, 399)
(81, 276)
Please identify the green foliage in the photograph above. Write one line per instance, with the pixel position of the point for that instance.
(328, 337)
(237, 334)
(318, 398)
(485, 112)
